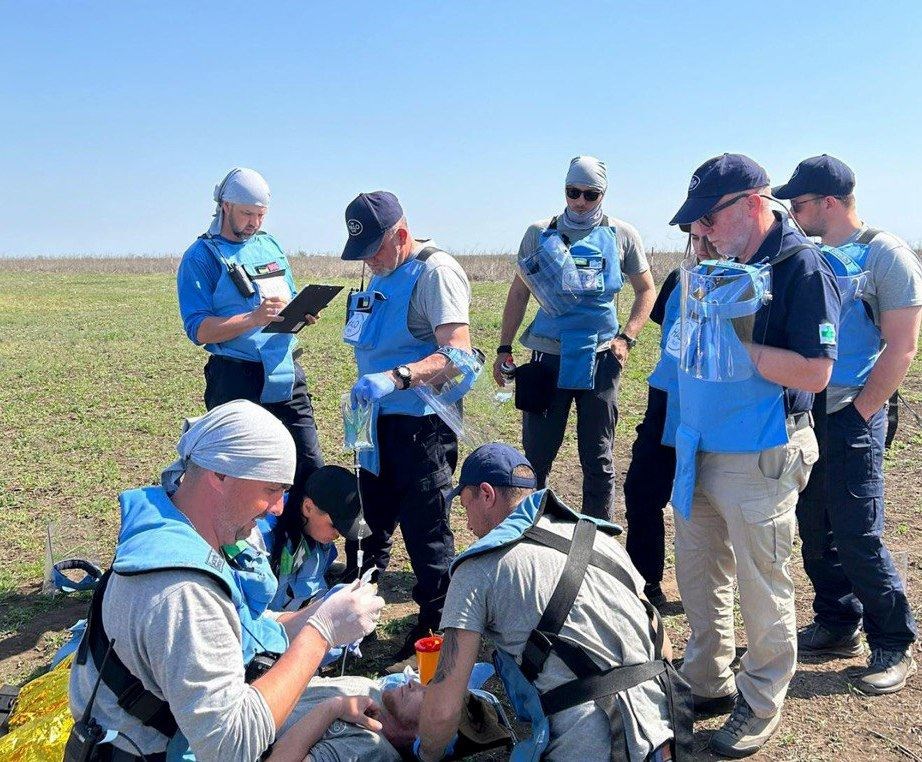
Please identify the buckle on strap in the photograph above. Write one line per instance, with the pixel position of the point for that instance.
(799, 421)
(140, 702)
(537, 648)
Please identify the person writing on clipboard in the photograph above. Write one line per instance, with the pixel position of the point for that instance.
(232, 282)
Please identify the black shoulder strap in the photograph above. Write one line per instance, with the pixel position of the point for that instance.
(868, 235)
(130, 693)
(553, 225)
(790, 252)
(427, 252)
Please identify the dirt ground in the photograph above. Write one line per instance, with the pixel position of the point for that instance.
(824, 717)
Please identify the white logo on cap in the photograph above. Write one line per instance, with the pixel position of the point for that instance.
(354, 226)
(694, 183)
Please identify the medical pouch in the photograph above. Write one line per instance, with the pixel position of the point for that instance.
(534, 387)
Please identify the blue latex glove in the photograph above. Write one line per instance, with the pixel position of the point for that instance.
(370, 388)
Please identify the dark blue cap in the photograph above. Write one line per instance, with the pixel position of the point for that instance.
(368, 218)
(728, 173)
(493, 463)
(824, 175)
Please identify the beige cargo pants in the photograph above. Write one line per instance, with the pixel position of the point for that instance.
(742, 523)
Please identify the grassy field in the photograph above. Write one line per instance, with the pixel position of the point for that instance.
(96, 376)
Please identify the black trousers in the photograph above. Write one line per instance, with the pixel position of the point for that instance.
(227, 379)
(647, 488)
(418, 458)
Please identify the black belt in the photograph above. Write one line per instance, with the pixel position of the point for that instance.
(294, 356)
(801, 420)
(109, 753)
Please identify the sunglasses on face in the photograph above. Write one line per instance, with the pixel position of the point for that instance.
(589, 195)
(708, 219)
(796, 206)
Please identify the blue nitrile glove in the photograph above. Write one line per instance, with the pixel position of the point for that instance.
(371, 387)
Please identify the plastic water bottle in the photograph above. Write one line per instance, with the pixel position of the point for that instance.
(506, 392)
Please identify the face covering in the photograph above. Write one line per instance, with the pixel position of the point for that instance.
(590, 172)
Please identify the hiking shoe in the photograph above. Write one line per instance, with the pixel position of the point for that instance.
(743, 733)
(887, 671)
(705, 706)
(655, 595)
(816, 640)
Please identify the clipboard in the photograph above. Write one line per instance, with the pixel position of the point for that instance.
(309, 301)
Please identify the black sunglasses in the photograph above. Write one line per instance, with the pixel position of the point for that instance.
(708, 219)
(589, 195)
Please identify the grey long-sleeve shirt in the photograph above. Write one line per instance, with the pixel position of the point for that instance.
(179, 633)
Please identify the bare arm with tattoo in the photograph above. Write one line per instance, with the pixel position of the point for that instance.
(438, 721)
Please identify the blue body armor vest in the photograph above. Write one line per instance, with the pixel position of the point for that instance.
(742, 412)
(260, 256)
(859, 338)
(156, 535)
(376, 328)
(590, 317)
(592, 683)
(665, 375)
(301, 570)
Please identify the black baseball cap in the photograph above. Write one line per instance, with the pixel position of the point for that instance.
(824, 175)
(334, 490)
(494, 464)
(368, 217)
(727, 173)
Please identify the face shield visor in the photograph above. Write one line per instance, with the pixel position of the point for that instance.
(719, 304)
(551, 274)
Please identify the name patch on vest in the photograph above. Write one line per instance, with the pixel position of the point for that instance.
(215, 561)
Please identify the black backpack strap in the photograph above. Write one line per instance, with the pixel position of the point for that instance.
(540, 641)
(427, 252)
(130, 693)
(868, 235)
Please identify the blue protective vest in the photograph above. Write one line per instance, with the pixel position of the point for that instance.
(376, 328)
(591, 317)
(258, 255)
(301, 571)
(590, 684)
(744, 413)
(665, 375)
(156, 535)
(859, 338)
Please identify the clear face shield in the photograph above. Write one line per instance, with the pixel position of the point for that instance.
(719, 304)
(552, 276)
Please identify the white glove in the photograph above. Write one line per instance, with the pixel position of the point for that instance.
(348, 615)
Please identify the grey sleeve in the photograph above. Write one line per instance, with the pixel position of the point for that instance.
(633, 258)
(530, 239)
(194, 655)
(896, 273)
(443, 295)
(466, 602)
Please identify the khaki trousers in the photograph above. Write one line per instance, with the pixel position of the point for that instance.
(742, 523)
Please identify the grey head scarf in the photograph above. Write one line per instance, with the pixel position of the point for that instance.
(239, 439)
(239, 186)
(591, 172)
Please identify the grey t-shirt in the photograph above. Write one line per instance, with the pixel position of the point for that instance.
(894, 282)
(632, 258)
(179, 633)
(502, 595)
(441, 295)
(343, 742)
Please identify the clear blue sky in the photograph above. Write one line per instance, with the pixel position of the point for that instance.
(119, 117)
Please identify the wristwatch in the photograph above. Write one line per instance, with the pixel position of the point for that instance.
(631, 342)
(404, 376)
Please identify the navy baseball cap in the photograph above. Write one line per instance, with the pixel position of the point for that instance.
(368, 218)
(493, 463)
(728, 173)
(334, 491)
(824, 175)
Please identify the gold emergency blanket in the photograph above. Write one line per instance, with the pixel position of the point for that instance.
(40, 721)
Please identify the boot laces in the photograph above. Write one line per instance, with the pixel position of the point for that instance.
(884, 659)
(742, 713)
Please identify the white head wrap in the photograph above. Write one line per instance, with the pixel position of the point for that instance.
(591, 172)
(239, 439)
(239, 186)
